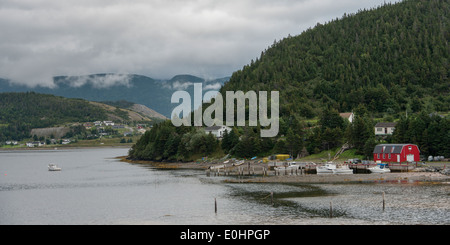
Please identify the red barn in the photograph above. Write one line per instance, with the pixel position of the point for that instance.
(396, 153)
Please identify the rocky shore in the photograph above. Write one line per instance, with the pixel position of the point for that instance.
(423, 174)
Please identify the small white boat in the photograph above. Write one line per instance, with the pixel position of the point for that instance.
(238, 163)
(216, 167)
(53, 167)
(344, 169)
(287, 168)
(380, 168)
(326, 169)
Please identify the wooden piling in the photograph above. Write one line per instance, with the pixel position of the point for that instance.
(384, 204)
(271, 197)
(331, 209)
(215, 205)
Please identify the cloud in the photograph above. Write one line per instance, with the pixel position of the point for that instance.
(100, 81)
(157, 38)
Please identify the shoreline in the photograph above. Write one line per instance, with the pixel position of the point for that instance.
(416, 176)
(61, 148)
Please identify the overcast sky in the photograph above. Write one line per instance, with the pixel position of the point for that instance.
(158, 38)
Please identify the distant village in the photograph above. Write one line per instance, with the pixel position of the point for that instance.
(71, 133)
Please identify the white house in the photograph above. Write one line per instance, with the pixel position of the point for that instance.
(217, 131)
(348, 115)
(108, 123)
(384, 128)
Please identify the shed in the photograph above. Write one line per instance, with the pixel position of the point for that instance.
(396, 153)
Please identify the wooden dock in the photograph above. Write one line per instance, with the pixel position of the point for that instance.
(394, 167)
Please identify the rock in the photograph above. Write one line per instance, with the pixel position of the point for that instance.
(445, 171)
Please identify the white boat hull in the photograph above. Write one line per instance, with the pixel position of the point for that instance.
(379, 170)
(54, 168)
(333, 169)
(342, 171)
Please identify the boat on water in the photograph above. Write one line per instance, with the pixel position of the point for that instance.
(380, 168)
(53, 167)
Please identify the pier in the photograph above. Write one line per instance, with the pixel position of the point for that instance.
(394, 167)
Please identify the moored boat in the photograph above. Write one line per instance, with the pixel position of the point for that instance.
(380, 168)
(53, 167)
(326, 169)
(344, 169)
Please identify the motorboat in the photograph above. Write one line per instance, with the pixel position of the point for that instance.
(53, 167)
(331, 168)
(343, 169)
(380, 168)
(326, 169)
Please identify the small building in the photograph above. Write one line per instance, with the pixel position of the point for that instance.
(384, 128)
(348, 116)
(217, 131)
(88, 125)
(65, 142)
(35, 144)
(108, 123)
(397, 153)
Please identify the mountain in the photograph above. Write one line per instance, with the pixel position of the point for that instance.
(154, 94)
(22, 112)
(390, 59)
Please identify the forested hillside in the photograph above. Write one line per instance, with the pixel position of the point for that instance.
(389, 59)
(388, 63)
(21, 112)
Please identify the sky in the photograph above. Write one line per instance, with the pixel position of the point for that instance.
(40, 39)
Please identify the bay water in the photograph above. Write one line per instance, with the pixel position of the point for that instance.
(94, 187)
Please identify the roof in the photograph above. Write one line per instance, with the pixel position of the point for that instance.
(346, 115)
(389, 148)
(386, 125)
(212, 128)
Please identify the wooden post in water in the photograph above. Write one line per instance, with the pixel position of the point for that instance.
(383, 202)
(331, 209)
(215, 205)
(271, 197)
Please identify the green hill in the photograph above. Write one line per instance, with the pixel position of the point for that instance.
(389, 59)
(22, 112)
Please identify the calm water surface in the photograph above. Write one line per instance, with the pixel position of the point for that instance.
(95, 188)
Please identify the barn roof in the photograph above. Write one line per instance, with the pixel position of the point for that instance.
(389, 148)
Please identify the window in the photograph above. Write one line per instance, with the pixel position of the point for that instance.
(410, 148)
